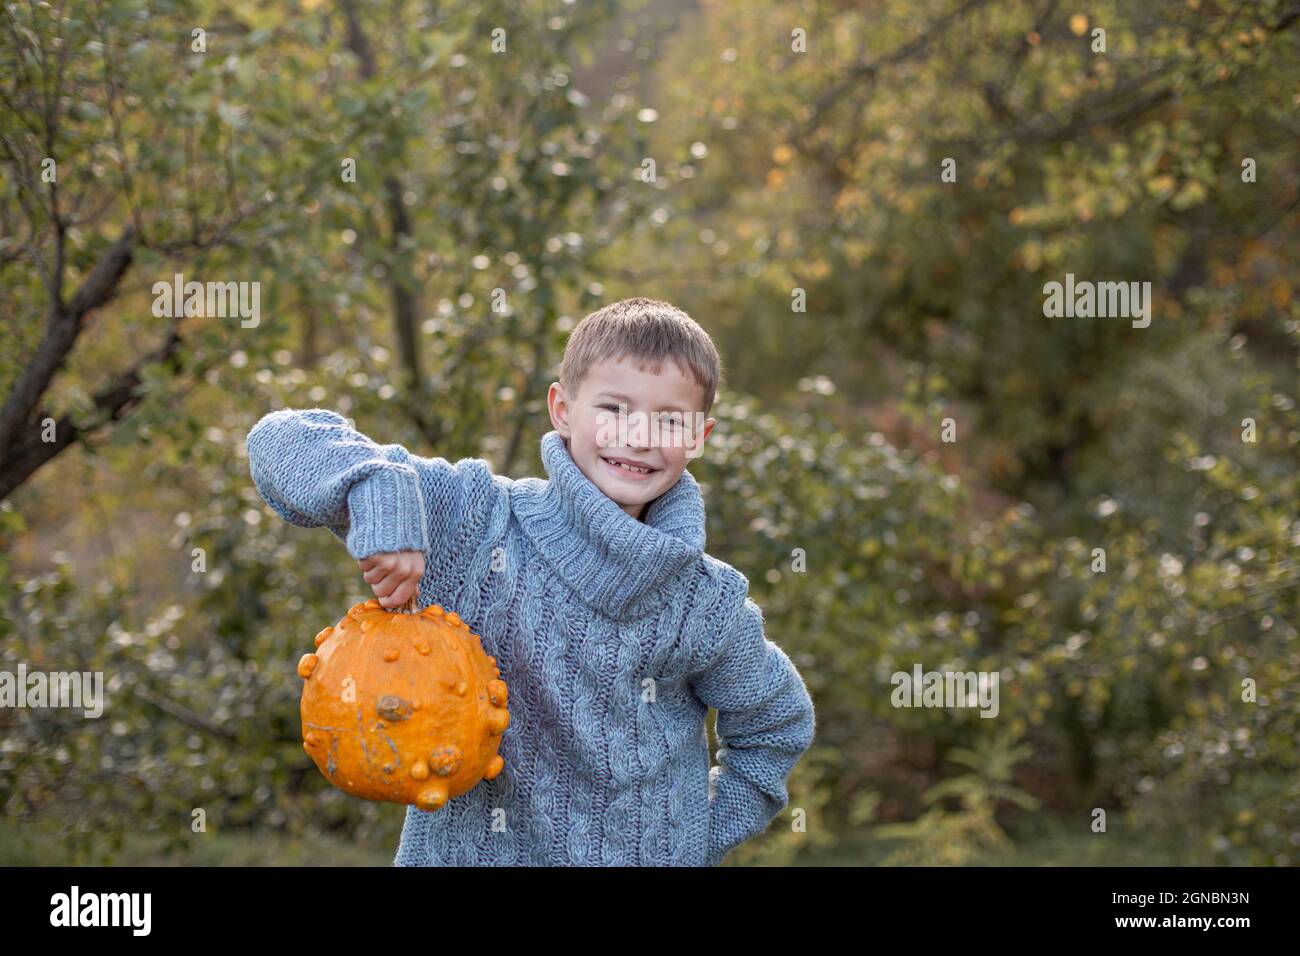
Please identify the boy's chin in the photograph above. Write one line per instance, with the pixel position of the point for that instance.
(624, 499)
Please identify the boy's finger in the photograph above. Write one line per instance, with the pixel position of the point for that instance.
(404, 593)
(386, 585)
(377, 573)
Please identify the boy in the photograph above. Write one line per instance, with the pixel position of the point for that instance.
(612, 628)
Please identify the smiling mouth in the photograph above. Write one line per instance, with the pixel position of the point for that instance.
(629, 468)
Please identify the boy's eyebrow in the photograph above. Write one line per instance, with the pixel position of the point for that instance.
(623, 398)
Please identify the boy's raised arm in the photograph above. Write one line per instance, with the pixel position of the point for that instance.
(765, 723)
(315, 470)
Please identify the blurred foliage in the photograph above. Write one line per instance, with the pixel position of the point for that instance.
(821, 171)
(942, 838)
(871, 544)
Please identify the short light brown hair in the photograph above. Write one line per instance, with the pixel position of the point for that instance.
(649, 331)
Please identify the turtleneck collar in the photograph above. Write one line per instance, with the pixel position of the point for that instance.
(616, 563)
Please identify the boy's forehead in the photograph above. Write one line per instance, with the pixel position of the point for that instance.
(630, 377)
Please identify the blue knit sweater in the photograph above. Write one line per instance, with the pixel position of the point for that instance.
(614, 636)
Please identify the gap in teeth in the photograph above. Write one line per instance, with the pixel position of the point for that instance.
(640, 471)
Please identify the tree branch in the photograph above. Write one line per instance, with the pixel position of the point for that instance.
(63, 325)
(29, 453)
(867, 71)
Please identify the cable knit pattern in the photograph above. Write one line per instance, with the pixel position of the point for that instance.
(614, 636)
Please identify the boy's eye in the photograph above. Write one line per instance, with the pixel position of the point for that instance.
(671, 419)
(608, 408)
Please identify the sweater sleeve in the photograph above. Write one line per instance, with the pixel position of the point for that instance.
(765, 723)
(315, 470)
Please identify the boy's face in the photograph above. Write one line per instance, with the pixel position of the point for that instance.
(636, 459)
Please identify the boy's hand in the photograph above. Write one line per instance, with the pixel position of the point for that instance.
(394, 576)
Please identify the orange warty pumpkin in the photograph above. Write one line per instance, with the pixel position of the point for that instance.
(402, 707)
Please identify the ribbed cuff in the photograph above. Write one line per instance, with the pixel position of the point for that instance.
(386, 513)
(737, 812)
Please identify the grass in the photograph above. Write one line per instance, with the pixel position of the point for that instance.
(1051, 843)
(37, 845)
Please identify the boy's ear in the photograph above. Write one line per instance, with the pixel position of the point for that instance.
(695, 447)
(557, 404)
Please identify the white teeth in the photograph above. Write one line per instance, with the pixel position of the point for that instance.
(631, 468)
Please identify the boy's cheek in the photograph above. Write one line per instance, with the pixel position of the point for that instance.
(692, 446)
